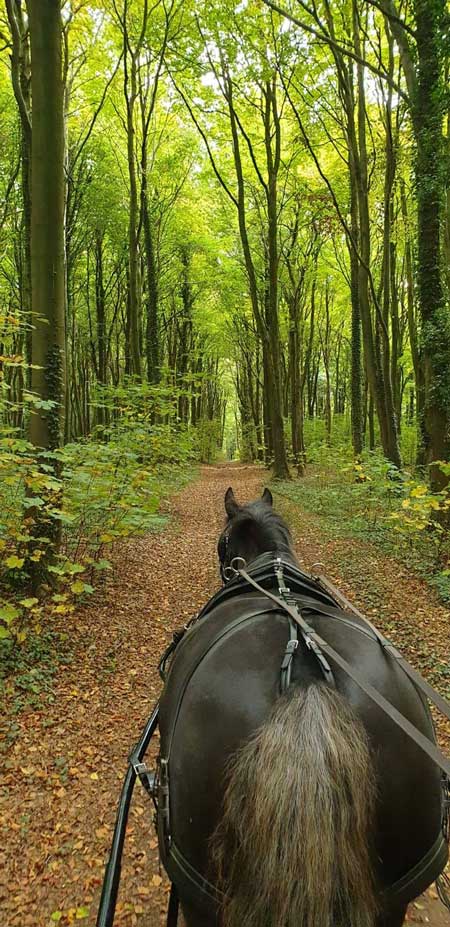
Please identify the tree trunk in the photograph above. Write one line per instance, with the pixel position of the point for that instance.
(297, 417)
(378, 387)
(267, 322)
(130, 93)
(435, 327)
(47, 222)
(272, 125)
(151, 321)
(20, 76)
(424, 73)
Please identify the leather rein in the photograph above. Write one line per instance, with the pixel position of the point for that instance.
(324, 652)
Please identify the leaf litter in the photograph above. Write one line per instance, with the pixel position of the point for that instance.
(65, 767)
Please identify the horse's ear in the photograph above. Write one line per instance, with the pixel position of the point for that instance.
(267, 497)
(231, 506)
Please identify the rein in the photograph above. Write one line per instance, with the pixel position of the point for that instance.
(319, 647)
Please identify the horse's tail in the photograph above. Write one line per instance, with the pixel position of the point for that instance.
(292, 848)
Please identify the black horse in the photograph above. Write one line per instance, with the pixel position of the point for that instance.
(305, 809)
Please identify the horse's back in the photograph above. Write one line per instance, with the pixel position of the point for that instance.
(222, 685)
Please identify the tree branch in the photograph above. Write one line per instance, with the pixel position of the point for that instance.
(328, 40)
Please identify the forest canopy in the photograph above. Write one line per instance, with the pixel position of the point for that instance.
(224, 230)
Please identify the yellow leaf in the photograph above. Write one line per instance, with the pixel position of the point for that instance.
(77, 587)
(94, 776)
(14, 563)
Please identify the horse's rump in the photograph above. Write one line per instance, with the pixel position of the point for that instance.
(223, 682)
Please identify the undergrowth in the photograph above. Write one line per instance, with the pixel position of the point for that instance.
(27, 671)
(62, 513)
(371, 500)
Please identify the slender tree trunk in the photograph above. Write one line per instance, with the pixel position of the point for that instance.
(130, 93)
(388, 367)
(185, 338)
(297, 401)
(267, 323)
(151, 322)
(272, 125)
(412, 327)
(356, 358)
(102, 347)
(326, 360)
(47, 264)
(371, 418)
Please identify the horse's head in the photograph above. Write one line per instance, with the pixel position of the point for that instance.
(251, 530)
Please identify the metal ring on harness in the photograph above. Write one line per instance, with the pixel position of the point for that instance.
(231, 571)
(315, 572)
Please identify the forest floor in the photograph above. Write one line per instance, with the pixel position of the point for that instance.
(67, 757)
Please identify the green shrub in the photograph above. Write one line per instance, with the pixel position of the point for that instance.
(95, 492)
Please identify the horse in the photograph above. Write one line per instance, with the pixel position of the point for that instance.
(308, 808)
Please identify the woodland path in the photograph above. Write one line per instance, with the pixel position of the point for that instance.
(65, 769)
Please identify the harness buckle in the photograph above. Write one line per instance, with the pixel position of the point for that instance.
(164, 803)
(325, 666)
(291, 647)
(146, 776)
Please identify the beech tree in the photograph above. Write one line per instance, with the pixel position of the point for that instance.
(47, 224)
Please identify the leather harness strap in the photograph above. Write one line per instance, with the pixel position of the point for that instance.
(174, 905)
(414, 675)
(319, 646)
(292, 644)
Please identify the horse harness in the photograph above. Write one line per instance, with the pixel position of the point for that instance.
(320, 649)
(294, 588)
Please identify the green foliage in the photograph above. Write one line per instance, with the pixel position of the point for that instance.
(372, 500)
(207, 439)
(107, 488)
(27, 672)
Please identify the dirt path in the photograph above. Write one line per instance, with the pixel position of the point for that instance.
(65, 769)
(64, 772)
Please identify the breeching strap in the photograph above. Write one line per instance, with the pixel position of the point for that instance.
(308, 633)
